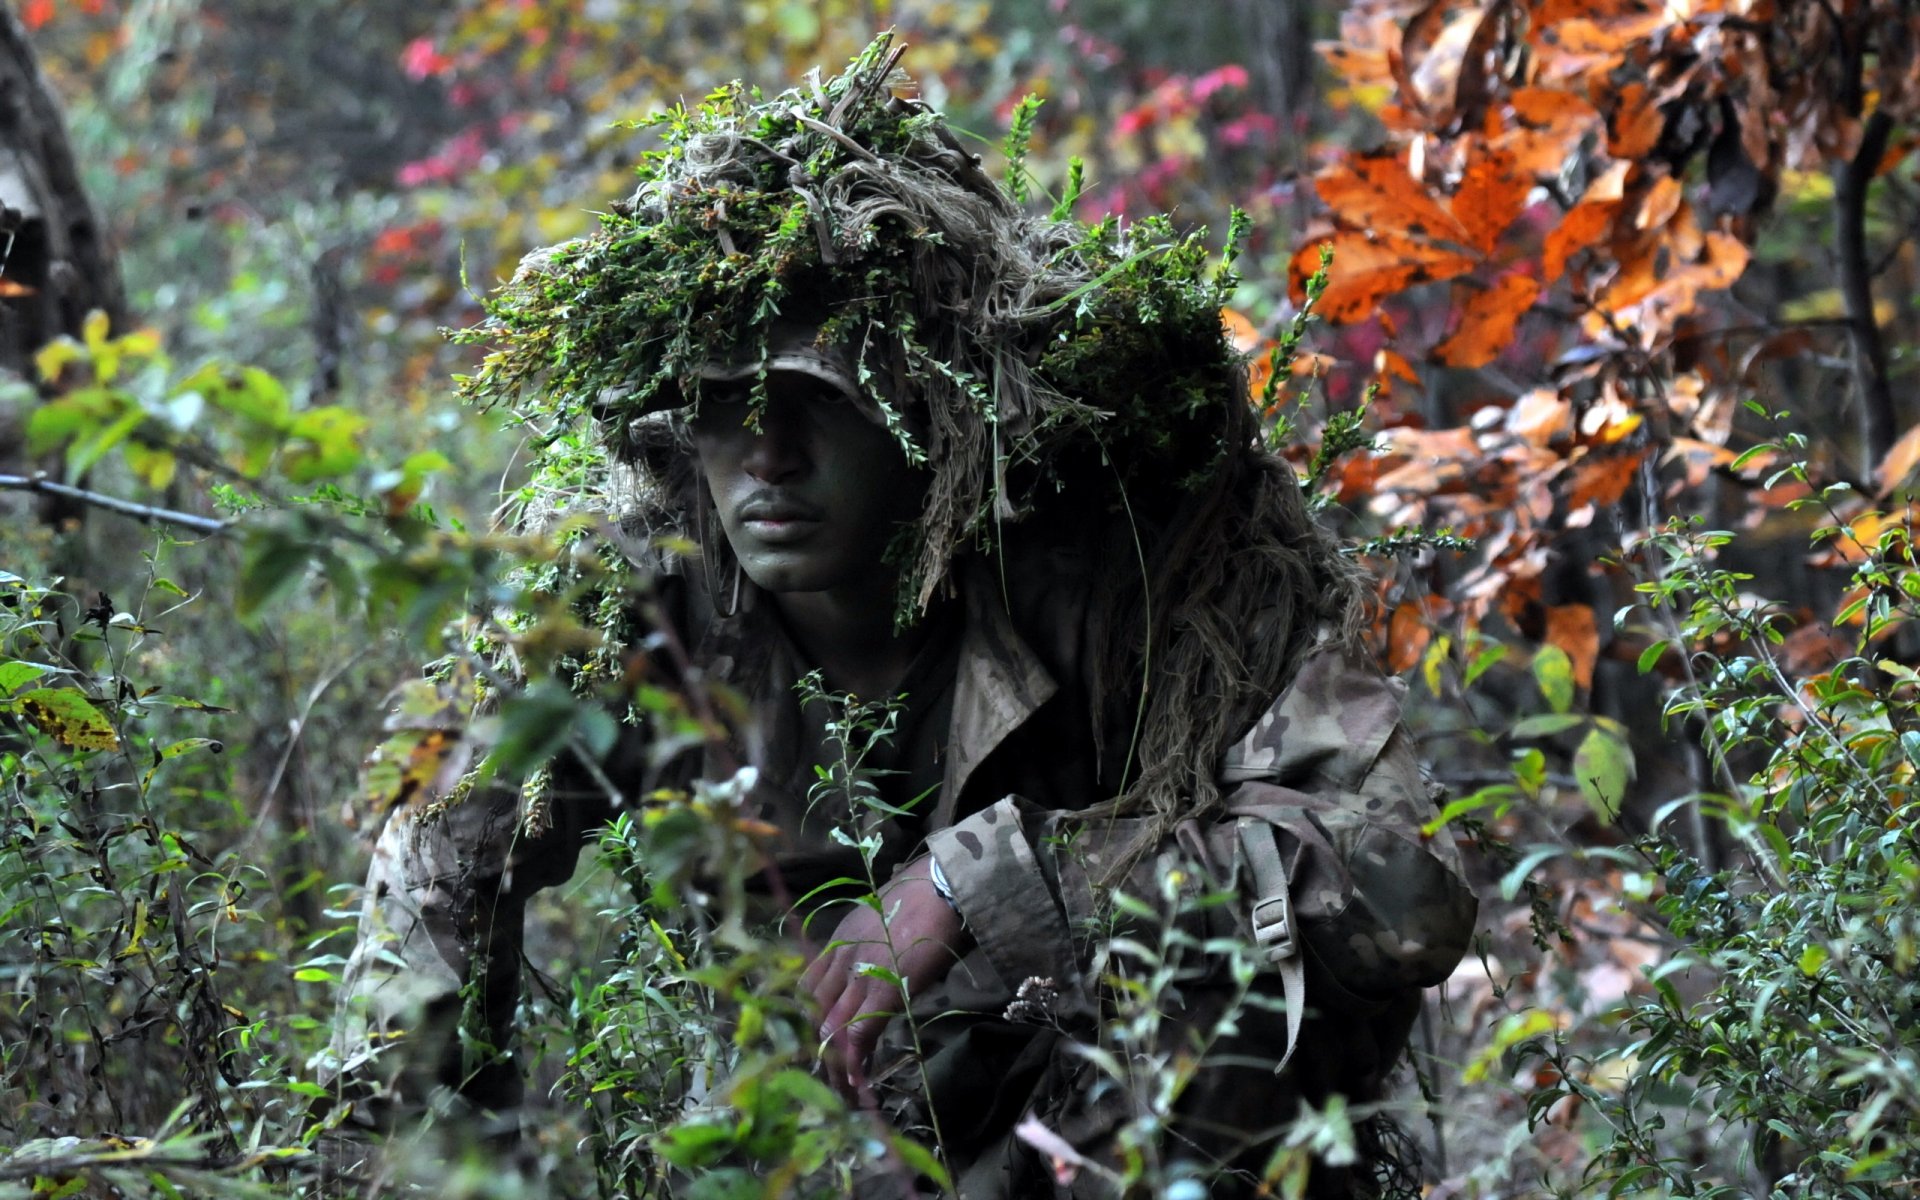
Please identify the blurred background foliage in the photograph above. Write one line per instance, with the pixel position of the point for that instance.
(1600, 267)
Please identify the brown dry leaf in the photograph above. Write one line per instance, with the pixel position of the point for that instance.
(1571, 627)
(1540, 416)
(1489, 322)
(1368, 269)
(1899, 462)
(1811, 649)
(1602, 479)
(1724, 260)
(1661, 202)
(1492, 193)
(1698, 458)
(1377, 193)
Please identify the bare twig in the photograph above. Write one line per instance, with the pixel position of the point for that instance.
(1850, 184)
(143, 512)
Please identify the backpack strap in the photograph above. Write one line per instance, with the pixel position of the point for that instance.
(1273, 923)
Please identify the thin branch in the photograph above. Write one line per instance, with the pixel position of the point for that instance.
(1851, 181)
(143, 512)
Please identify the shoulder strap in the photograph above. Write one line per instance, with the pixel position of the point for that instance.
(1273, 925)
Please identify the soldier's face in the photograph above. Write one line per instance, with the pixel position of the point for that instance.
(810, 500)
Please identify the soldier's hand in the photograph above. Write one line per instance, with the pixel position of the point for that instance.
(916, 934)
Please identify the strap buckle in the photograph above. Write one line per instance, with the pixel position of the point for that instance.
(1273, 927)
(1273, 924)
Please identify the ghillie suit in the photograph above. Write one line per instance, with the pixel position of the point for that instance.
(1148, 689)
(1033, 363)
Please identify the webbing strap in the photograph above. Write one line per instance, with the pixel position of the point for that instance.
(1273, 926)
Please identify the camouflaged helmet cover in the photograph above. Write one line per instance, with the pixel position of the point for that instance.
(999, 346)
(984, 335)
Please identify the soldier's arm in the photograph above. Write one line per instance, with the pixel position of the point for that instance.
(1328, 773)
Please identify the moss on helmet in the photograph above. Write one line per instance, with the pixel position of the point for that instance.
(1007, 339)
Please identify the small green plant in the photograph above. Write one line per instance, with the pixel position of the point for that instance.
(1787, 1007)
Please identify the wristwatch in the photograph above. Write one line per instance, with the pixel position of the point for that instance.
(940, 884)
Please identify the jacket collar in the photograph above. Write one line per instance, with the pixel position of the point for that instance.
(999, 685)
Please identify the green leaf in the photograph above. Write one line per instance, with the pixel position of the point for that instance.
(1483, 662)
(1652, 655)
(67, 716)
(1547, 724)
(1554, 672)
(1812, 959)
(183, 746)
(1603, 765)
(15, 673)
(323, 443)
(315, 975)
(921, 1161)
(273, 565)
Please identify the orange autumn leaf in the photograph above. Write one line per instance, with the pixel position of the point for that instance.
(1578, 230)
(1723, 260)
(1604, 38)
(1602, 480)
(1367, 269)
(1545, 107)
(1489, 322)
(1637, 124)
(1376, 192)
(1247, 340)
(1407, 637)
(1391, 364)
(1572, 628)
(1492, 193)
(1660, 203)
(36, 13)
(9, 287)
(1899, 462)
(1549, 128)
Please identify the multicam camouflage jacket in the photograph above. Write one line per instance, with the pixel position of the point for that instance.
(1327, 776)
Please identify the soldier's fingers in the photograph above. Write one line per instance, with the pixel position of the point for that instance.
(869, 1021)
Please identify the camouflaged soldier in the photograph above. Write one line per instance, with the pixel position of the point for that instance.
(1003, 466)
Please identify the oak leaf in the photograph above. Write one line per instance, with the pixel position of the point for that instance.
(1489, 322)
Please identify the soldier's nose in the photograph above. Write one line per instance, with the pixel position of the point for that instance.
(778, 453)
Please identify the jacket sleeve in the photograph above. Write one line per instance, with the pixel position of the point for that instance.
(1328, 768)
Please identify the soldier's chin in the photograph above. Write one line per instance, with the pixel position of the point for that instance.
(784, 571)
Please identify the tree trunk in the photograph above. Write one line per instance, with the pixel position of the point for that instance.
(55, 264)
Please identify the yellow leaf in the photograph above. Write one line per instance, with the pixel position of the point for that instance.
(94, 330)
